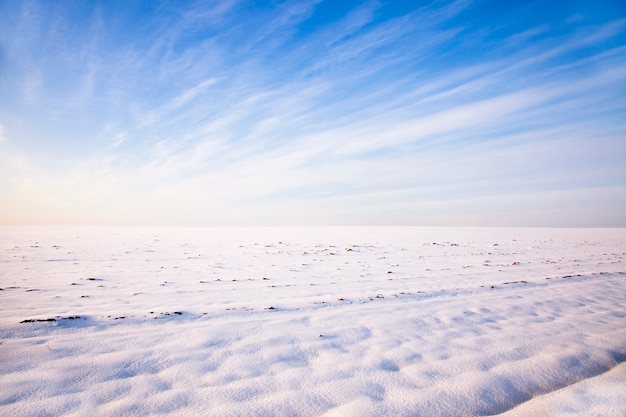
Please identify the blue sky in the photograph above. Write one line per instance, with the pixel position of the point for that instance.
(234, 113)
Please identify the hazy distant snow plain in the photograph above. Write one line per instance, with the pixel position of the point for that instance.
(312, 322)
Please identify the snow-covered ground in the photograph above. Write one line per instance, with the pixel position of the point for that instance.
(312, 322)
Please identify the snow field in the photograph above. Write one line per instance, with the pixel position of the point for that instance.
(312, 322)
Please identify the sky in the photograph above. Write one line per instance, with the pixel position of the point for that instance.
(283, 113)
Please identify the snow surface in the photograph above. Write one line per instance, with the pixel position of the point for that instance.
(312, 322)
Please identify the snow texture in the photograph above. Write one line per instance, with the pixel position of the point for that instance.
(312, 321)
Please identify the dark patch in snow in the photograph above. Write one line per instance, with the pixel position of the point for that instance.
(50, 320)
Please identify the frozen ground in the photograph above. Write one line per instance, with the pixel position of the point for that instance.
(312, 322)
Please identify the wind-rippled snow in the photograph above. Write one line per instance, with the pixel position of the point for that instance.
(312, 321)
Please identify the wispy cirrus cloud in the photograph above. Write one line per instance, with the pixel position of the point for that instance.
(233, 114)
